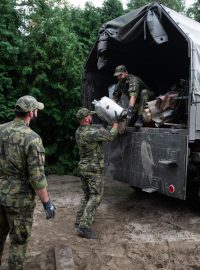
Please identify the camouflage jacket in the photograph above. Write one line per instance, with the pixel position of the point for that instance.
(132, 86)
(89, 140)
(21, 164)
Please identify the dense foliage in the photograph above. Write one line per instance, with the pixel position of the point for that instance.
(194, 11)
(177, 5)
(43, 47)
(52, 62)
(10, 45)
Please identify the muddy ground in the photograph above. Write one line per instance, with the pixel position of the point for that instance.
(135, 230)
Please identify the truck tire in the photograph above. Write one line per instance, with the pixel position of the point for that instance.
(193, 193)
(137, 189)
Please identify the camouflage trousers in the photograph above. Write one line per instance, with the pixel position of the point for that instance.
(93, 186)
(139, 106)
(17, 222)
(145, 95)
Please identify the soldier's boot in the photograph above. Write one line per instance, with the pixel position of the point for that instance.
(3, 267)
(76, 226)
(139, 122)
(86, 232)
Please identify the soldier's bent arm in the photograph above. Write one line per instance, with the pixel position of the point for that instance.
(102, 134)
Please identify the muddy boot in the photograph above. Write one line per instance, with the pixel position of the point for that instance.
(76, 226)
(139, 123)
(3, 267)
(86, 232)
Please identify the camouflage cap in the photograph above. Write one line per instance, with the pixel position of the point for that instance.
(82, 113)
(119, 70)
(28, 104)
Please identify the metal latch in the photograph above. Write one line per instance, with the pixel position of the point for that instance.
(150, 189)
(171, 158)
(168, 162)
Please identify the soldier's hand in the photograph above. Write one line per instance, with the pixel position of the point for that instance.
(49, 209)
(120, 117)
(104, 124)
(129, 113)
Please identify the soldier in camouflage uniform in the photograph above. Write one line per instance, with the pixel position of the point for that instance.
(89, 139)
(136, 90)
(21, 176)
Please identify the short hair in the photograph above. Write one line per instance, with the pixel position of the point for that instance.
(19, 113)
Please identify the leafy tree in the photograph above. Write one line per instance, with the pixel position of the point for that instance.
(111, 9)
(177, 5)
(85, 23)
(52, 65)
(194, 11)
(10, 44)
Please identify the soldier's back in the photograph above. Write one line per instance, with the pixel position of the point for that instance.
(15, 140)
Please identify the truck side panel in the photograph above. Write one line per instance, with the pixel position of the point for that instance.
(151, 159)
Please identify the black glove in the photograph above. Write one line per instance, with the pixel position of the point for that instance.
(49, 209)
(120, 117)
(129, 112)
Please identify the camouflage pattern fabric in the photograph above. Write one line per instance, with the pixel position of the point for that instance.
(93, 186)
(21, 164)
(82, 113)
(17, 221)
(119, 70)
(144, 98)
(21, 172)
(28, 104)
(89, 140)
(133, 86)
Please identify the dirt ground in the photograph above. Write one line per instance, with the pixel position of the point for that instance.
(135, 230)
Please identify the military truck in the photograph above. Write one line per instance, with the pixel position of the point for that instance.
(162, 47)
